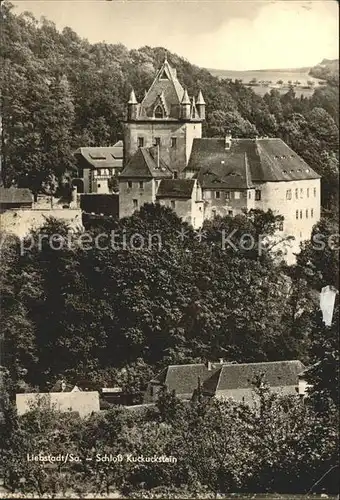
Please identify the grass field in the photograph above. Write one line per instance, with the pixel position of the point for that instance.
(272, 77)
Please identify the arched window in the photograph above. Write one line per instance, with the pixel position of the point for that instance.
(159, 112)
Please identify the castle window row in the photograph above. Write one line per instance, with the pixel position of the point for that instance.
(214, 212)
(157, 142)
(299, 214)
(140, 184)
(228, 195)
(299, 193)
(103, 172)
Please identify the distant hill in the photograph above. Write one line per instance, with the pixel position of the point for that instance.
(273, 70)
(281, 76)
(327, 70)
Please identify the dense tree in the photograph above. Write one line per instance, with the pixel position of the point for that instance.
(138, 307)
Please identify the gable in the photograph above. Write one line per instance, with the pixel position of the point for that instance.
(165, 88)
(146, 164)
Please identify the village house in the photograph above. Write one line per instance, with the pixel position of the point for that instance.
(184, 196)
(140, 179)
(226, 380)
(98, 167)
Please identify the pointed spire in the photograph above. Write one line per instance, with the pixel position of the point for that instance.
(200, 99)
(185, 99)
(132, 99)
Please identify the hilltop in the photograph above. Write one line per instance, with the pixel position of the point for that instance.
(327, 70)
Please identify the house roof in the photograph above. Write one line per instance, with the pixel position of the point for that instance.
(15, 195)
(183, 379)
(145, 164)
(241, 376)
(167, 87)
(175, 188)
(247, 161)
(102, 157)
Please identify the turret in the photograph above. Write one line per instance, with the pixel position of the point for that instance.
(132, 106)
(200, 105)
(185, 106)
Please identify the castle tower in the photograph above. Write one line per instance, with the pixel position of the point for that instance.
(185, 106)
(164, 118)
(132, 106)
(200, 104)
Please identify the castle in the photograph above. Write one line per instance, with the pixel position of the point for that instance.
(166, 161)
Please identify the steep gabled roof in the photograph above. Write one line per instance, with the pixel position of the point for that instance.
(15, 195)
(166, 85)
(242, 376)
(183, 379)
(102, 157)
(146, 164)
(175, 188)
(247, 161)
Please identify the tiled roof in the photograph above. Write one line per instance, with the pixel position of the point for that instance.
(264, 160)
(166, 85)
(145, 164)
(183, 379)
(102, 157)
(175, 188)
(15, 195)
(242, 376)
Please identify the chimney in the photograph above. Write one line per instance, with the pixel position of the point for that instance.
(200, 104)
(156, 155)
(227, 141)
(132, 106)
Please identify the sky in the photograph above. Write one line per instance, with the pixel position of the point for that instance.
(220, 34)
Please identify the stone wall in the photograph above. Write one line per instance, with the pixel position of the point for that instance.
(20, 222)
(83, 402)
(306, 205)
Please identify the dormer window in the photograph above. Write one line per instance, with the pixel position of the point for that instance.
(164, 76)
(159, 112)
